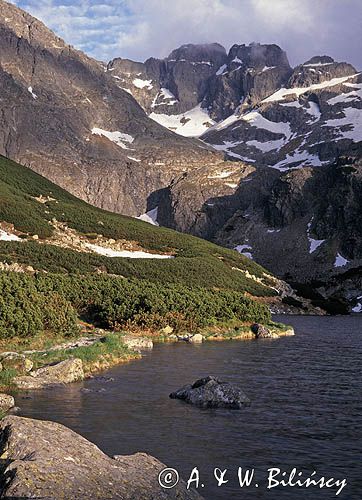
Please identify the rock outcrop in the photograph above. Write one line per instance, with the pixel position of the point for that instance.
(63, 372)
(6, 402)
(47, 460)
(262, 332)
(16, 361)
(210, 392)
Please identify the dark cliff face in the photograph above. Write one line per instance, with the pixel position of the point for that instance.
(304, 225)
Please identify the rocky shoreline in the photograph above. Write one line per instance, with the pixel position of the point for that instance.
(66, 463)
(73, 369)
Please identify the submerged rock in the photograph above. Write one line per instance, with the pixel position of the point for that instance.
(262, 332)
(64, 372)
(48, 460)
(210, 392)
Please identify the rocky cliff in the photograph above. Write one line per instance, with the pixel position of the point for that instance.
(66, 117)
(305, 224)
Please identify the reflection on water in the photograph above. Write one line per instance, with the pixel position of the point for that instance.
(306, 409)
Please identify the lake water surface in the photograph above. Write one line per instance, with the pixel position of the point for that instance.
(306, 409)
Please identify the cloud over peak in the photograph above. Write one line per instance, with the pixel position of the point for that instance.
(139, 29)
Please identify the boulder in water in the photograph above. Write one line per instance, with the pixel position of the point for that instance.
(210, 392)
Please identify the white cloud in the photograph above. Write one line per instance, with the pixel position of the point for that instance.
(138, 29)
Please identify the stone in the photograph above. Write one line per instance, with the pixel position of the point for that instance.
(137, 343)
(262, 332)
(196, 339)
(210, 392)
(16, 361)
(64, 465)
(64, 372)
(6, 402)
(167, 330)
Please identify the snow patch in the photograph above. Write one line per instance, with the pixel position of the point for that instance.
(354, 95)
(358, 308)
(314, 111)
(192, 123)
(316, 64)
(313, 244)
(117, 137)
(280, 94)
(4, 236)
(300, 157)
(221, 70)
(138, 254)
(353, 119)
(133, 159)
(150, 217)
(141, 84)
(166, 97)
(266, 68)
(256, 119)
(243, 249)
(340, 261)
(30, 89)
(267, 146)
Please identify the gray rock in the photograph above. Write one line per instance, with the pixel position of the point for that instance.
(137, 343)
(196, 339)
(16, 361)
(47, 460)
(64, 372)
(210, 392)
(262, 332)
(6, 402)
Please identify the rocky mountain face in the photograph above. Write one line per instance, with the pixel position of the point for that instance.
(305, 224)
(65, 117)
(292, 197)
(199, 85)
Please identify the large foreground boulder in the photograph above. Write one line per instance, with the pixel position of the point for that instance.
(47, 460)
(210, 392)
(64, 372)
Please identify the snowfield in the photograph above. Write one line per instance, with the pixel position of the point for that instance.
(4, 236)
(122, 140)
(141, 84)
(137, 254)
(150, 217)
(193, 123)
(279, 95)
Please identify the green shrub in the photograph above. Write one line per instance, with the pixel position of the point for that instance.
(29, 304)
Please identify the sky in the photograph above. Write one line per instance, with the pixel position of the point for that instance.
(138, 29)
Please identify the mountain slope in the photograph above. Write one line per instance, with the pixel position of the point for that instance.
(65, 117)
(46, 227)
